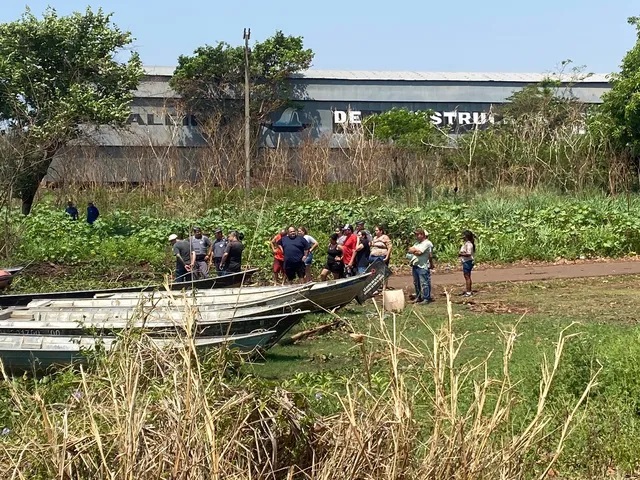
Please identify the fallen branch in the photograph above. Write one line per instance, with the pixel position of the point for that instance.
(322, 329)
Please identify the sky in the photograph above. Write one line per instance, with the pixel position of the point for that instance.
(418, 35)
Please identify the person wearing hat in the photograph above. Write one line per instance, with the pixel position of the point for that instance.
(219, 246)
(200, 254)
(420, 257)
(348, 248)
(182, 252)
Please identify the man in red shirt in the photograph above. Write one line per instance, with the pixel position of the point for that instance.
(278, 257)
(348, 249)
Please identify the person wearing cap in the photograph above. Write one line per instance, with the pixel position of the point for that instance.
(420, 257)
(200, 253)
(360, 228)
(295, 249)
(182, 252)
(348, 249)
(219, 246)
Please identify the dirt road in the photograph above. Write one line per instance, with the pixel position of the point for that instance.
(526, 273)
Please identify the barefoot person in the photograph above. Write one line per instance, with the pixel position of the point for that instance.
(467, 251)
(278, 257)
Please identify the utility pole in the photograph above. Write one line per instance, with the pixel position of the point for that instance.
(247, 133)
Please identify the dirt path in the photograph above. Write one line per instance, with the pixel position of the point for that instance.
(526, 273)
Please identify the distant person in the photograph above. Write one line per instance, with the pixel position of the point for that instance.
(348, 248)
(313, 244)
(219, 246)
(360, 228)
(182, 252)
(467, 251)
(71, 210)
(201, 248)
(363, 251)
(231, 261)
(278, 257)
(334, 263)
(380, 245)
(420, 257)
(92, 213)
(295, 249)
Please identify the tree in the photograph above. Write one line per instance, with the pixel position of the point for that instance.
(619, 113)
(59, 75)
(404, 128)
(211, 81)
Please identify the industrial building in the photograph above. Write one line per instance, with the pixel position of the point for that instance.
(327, 103)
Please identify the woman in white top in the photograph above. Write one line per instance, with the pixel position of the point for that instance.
(467, 251)
(313, 244)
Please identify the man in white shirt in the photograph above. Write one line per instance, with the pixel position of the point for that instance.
(420, 257)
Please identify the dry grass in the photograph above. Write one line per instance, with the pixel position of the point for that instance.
(142, 413)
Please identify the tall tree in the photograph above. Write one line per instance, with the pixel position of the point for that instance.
(619, 113)
(211, 81)
(59, 75)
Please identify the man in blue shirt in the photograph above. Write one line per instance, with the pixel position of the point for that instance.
(71, 210)
(92, 213)
(295, 249)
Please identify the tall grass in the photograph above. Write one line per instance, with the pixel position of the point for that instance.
(141, 413)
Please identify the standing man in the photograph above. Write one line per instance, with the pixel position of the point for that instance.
(295, 249)
(360, 228)
(219, 246)
(200, 246)
(231, 261)
(278, 257)
(420, 257)
(71, 210)
(92, 213)
(180, 249)
(348, 249)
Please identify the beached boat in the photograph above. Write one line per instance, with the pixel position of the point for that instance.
(321, 296)
(52, 324)
(222, 281)
(24, 352)
(244, 298)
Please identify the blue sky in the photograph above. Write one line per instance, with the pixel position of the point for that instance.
(474, 36)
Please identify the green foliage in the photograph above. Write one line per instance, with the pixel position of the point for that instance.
(404, 128)
(620, 110)
(211, 81)
(536, 227)
(57, 76)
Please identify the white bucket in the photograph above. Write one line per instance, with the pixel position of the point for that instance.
(393, 300)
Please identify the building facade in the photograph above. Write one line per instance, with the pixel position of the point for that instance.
(327, 103)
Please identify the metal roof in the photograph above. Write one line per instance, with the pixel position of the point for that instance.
(409, 76)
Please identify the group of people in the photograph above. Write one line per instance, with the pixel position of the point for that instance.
(92, 212)
(349, 252)
(197, 254)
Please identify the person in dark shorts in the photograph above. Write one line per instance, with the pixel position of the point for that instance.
(295, 249)
(231, 261)
(219, 246)
(200, 254)
(467, 251)
(334, 263)
(182, 252)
